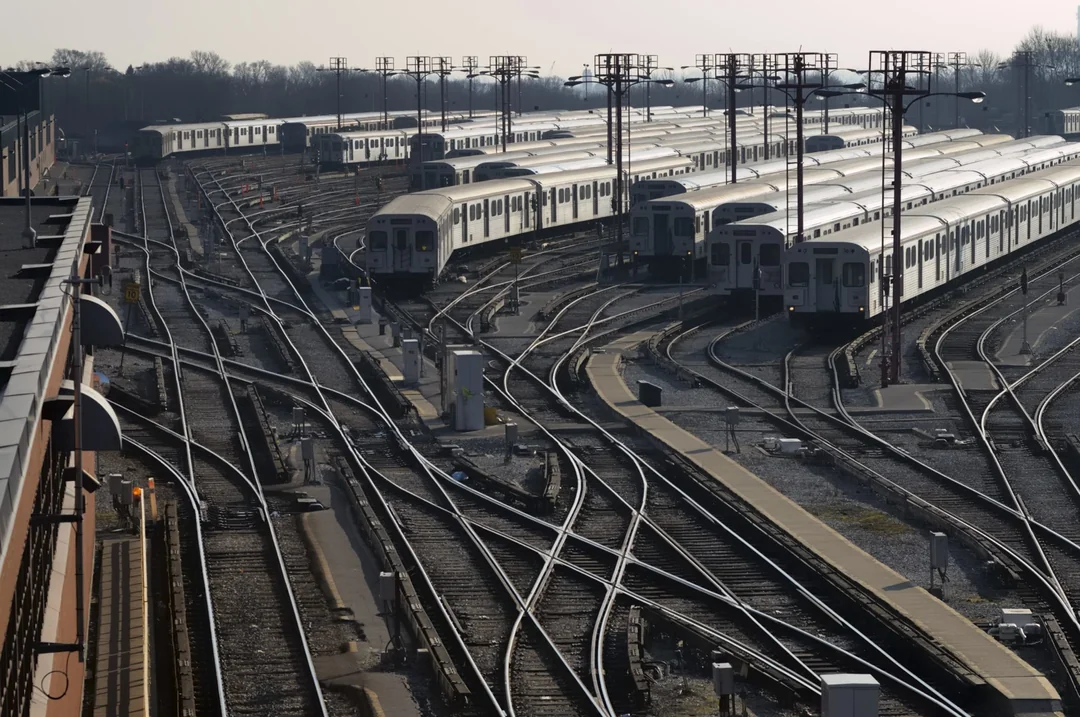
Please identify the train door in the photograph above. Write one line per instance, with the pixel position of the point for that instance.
(661, 234)
(506, 213)
(827, 293)
(744, 264)
(595, 199)
(401, 249)
(487, 218)
(465, 223)
(179, 140)
(367, 149)
(574, 191)
(554, 206)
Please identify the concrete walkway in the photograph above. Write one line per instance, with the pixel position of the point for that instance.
(120, 670)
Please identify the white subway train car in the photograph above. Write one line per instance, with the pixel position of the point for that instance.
(672, 230)
(413, 237)
(737, 249)
(840, 279)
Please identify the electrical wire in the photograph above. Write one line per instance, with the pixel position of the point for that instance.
(67, 681)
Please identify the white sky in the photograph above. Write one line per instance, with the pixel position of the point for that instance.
(564, 32)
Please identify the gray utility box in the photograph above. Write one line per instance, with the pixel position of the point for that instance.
(849, 696)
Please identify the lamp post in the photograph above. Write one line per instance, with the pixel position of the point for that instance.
(732, 65)
(648, 66)
(705, 64)
(384, 68)
(619, 72)
(957, 60)
(418, 67)
(339, 66)
(764, 65)
(829, 69)
(798, 89)
(896, 67)
(442, 66)
(469, 63)
(504, 68)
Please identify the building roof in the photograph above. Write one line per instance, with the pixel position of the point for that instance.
(33, 308)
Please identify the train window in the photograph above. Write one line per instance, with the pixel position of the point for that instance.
(641, 226)
(873, 272)
(720, 254)
(378, 241)
(425, 240)
(745, 253)
(457, 215)
(770, 254)
(854, 274)
(799, 273)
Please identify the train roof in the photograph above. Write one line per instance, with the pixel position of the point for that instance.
(934, 216)
(699, 201)
(182, 127)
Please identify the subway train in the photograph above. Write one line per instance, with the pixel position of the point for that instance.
(840, 279)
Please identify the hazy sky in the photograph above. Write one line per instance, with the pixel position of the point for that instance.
(564, 32)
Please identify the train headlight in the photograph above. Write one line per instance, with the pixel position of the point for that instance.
(791, 308)
(862, 309)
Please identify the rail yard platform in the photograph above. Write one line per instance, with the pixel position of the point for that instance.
(1015, 687)
(121, 652)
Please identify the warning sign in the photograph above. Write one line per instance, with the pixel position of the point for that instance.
(131, 292)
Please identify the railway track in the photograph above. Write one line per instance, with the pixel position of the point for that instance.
(246, 579)
(454, 532)
(616, 525)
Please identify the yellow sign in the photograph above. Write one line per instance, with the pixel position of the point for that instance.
(131, 292)
(515, 255)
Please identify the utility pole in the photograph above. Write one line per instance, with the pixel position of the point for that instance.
(938, 63)
(733, 66)
(794, 67)
(469, 63)
(828, 66)
(648, 66)
(764, 64)
(339, 66)
(418, 67)
(957, 60)
(384, 66)
(896, 68)
(442, 65)
(616, 70)
(705, 63)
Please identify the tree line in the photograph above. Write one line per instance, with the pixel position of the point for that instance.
(204, 86)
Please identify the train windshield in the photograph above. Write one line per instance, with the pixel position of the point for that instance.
(799, 273)
(770, 255)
